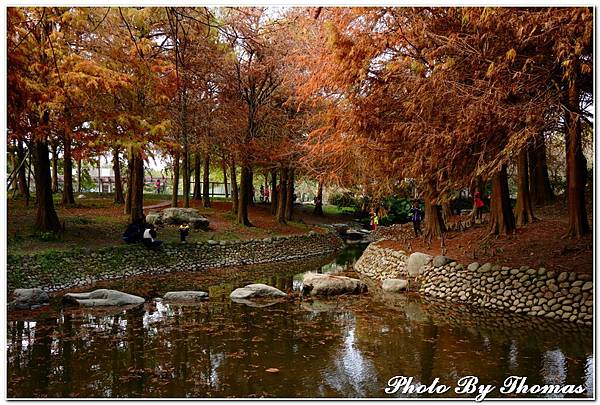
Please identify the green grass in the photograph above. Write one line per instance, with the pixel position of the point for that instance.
(332, 209)
(96, 222)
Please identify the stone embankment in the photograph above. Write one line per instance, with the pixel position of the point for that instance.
(538, 292)
(57, 270)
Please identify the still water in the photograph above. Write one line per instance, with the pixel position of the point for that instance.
(341, 347)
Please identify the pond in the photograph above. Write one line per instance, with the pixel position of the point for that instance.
(340, 347)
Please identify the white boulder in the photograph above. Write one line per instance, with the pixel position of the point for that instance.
(30, 298)
(187, 296)
(327, 284)
(102, 298)
(256, 291)
(416, 262)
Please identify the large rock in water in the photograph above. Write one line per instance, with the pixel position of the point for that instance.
(102, 298)
(185, 296)
(30, 298)
(394, 285)
(327, 284)
(179, 216)
(416, 262)
(256, 291)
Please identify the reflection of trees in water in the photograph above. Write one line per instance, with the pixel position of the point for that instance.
(277, 337)
(221, 349)
(115, 369)
(428, 351)
(135, 339)
(448, 349)
(66, 349)
(15, 350)
(40, 357)
(352, 374)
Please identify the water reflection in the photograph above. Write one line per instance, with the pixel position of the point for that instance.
(351, 371)
(344, 347)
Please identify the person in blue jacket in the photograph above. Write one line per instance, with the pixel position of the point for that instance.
(416, 217)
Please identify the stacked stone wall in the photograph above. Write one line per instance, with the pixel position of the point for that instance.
(57, 270)
(552, 294)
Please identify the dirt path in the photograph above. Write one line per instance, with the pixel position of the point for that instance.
(157, 206)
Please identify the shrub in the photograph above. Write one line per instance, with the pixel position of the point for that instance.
(397, 210)
(344, 200)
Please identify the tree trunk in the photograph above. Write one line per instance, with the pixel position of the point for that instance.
(79, 175)
(129, 181)
(576, 165)
(224, 166)
(206, 182)
(67, 191)
(251, 187)
(29, 165)
(434, 221)
(274, 196)
(266, 183)
(446, 211)
(197, 189)
(22, 174)
(99, 175)
(186, 177)
(13, 163)
(46, 219)
(117, 170)
(502, 220)
(539, 181)
(523, 208)
(242, 212)
(175, 179)
(137, 186)
(319, 200)
(54, 167)
(282, 195)
(234, 188)
(289, 200)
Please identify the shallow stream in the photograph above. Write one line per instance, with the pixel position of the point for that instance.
(340, 347)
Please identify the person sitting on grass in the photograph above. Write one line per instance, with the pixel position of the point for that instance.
(134, 231)
(148, 240)
(184, 231)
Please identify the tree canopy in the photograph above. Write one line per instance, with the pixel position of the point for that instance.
(374, 99)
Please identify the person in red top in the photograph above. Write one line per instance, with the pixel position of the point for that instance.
(478, 206)
(158, 186)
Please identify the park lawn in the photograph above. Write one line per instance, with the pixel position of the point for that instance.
(96, 221)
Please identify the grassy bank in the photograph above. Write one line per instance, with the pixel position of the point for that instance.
(95, 221)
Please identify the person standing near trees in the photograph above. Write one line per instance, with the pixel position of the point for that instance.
(262, 193)
(417, 217)
(479, 204)
(157, 186)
